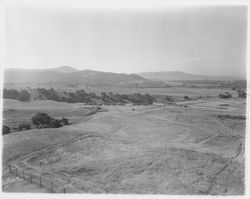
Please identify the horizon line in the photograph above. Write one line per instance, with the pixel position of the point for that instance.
(158, 71)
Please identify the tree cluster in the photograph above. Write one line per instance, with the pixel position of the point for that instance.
(91, 98)
(40, 120)
(242, 94)
(43, 120)
(23, 95)
(84, 97)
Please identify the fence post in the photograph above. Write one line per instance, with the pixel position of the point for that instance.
(64, 190)
(30, 178)
(16, 172)
(40, 181)
(9, 169)
(23, 175)
(52, 187)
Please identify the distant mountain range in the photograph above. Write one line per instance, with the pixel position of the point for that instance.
(181, 76)
(69, 75)
(66, 75)
(64, 69)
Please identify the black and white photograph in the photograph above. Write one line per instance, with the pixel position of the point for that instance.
(124, 98)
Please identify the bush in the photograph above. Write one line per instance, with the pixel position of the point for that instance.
(186, 97)
(24, 96)
(225, 95)
(49, 94)
(54, 123)
(242, 94)
(10, 94)
(5, 130)
(24, 126)
(65, 121)
(41, 120)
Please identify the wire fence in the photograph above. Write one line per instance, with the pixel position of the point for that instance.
(41, 181)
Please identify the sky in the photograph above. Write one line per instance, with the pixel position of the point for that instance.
(208, 40)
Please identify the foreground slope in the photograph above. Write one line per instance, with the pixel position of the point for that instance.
(140, 149)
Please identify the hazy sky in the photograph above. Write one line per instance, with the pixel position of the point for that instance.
(201, 40)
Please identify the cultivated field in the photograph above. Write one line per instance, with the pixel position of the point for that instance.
(174, 149)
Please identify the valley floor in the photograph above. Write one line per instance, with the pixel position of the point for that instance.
(174, 149)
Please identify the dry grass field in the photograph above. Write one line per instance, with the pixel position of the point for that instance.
(175, 149)
(16, 112)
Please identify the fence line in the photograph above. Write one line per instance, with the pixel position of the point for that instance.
(39, 180)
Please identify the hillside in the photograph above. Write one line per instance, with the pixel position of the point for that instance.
(68, 75)
(181, 76)
(129, 149)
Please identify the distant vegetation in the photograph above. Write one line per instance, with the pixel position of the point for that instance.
(81, 96)
(209, 84)
(225, 95)
(242, 94)
(91, 98)
(23, 96)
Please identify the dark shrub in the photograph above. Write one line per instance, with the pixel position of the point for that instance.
(5, 130)
(41, 120)
(49, 94)
(225, 95)
(24, 126)
(65, 121)
(242, 94)
(54, 123)
(24, 96)
(186, 97)
(10, 94)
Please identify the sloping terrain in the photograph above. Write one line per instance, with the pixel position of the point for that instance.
(69, 76)
(139, 149)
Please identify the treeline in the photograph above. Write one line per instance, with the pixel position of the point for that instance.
(23, 95)
(92, 98)
(84, 97)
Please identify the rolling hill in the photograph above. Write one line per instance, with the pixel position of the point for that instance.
(68, 75)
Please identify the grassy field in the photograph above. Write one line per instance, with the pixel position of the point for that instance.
(135, 149)
(16, 112)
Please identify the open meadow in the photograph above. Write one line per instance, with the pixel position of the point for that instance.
(192, 147)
